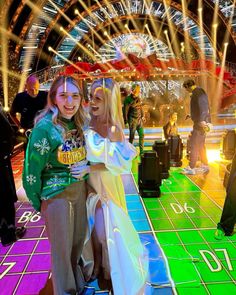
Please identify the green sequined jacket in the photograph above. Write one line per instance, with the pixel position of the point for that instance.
(49, 153)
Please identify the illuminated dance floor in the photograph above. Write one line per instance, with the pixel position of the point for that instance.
(159, 46)
(177, 230)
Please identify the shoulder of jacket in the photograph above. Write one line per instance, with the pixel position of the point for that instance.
(46, 128)
(45, 123)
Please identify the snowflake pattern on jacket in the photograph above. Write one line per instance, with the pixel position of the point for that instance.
(49, 153)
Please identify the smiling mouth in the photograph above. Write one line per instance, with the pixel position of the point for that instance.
(94, 109)
(70, 109)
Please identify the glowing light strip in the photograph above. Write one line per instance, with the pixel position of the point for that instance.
(158, 9)
(64, 51)
(4, 53)
(38, 27)
(122, 8)
(27, 70)
(189, 28)
(98, 16)
(165, 13)
(49, 9)
(113, 8)
(173, 15)
(228, 8)
(81, 30)
(90, 47)
(57, 66)
(30, 47)
(89, 22)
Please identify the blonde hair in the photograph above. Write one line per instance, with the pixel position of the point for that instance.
(113, 108)
(51, 107)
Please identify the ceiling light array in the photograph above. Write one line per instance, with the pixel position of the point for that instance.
(121, 8)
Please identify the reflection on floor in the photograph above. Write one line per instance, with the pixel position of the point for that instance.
(177, 230)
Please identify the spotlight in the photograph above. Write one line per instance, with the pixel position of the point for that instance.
(105, 33)
(165, 32)
(49, 48)
(226, 44)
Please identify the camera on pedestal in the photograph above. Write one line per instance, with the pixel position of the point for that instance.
(149, 175)
(176, 150)
(163, 152)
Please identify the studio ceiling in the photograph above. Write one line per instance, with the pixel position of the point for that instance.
(86, 29)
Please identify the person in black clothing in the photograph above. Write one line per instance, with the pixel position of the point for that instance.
(200, 115)
(171, 129)
(228, 218)
(8, 232)
(133, 115)
(28, 104)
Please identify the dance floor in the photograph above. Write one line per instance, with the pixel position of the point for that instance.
(177, 230)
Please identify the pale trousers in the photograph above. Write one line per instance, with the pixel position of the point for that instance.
(66, 223)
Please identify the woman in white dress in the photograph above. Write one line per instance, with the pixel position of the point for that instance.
(119, 257)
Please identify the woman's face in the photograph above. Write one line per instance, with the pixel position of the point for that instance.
(97, 102)
(68, 100)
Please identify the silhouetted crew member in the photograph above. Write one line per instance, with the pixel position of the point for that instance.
(8, 232)
(28, 104)
(134, 116)
(228, 218)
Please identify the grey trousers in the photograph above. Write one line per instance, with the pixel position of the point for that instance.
(66, 223)
(197, 147)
